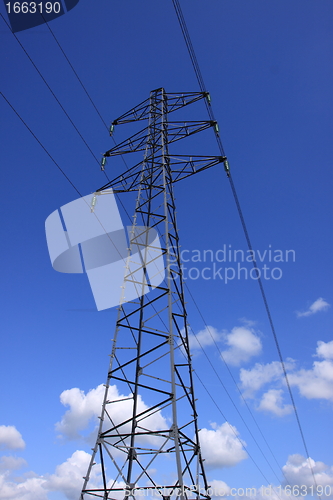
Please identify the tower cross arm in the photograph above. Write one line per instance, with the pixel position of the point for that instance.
(181, 166)
(176, 100)
(176, 131)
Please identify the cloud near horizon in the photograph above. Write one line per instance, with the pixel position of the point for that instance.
(221, 447)
(67, 479)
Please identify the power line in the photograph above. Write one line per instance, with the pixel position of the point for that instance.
(86, 92)
(219, 409)
(232, 401)
(63, 172)
(50, 89)
(75, 73)
(271, 323)
(234, 381)
(55, 97)
(41, 145)
(202, 86)
(196, 66)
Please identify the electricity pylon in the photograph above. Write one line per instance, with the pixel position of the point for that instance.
(148, 437)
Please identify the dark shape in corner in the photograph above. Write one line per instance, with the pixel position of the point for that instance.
(20, 21)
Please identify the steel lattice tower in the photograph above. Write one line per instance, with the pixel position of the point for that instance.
(150, 361)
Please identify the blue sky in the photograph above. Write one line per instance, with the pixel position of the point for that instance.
(268, 67)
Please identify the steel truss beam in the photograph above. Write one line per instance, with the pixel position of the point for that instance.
(149, 423)
(175, 101)
(176, 131)
(181, 166)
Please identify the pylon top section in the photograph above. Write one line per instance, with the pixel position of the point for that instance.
(155, 110)
(175, 101)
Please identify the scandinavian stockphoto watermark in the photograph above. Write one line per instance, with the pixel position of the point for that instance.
(224, 491)
(123, 263)
(228, 264)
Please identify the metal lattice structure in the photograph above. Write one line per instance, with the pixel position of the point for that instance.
(153, 451)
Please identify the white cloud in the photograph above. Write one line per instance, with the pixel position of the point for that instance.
(298, 472)
(31, 488)
(85, 408)
(242, 342)
(314, 383)
(221, 446)
(252, 380)
(10, 438)
(248, 322)
(272, 401)
(68, 477)
(317, 383)
(218, 488)
(318, 305)
(204, 338)
(325, 349)
(243, 345)
(8, 463)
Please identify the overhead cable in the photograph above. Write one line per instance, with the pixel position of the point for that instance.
(41, 145)
(219, 409)
(85, 90)
(235, 383)
(50, 89)
(75, 73)
(202, 86)
(233, 403)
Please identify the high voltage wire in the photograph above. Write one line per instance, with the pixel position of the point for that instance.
(234, 381)
(219, 409)
(75, 73)
(86, 92)
(202, 86)
(232, 401)
(41, 145)
(273, 329)
(57, 100)
(196, 66)
(50, 89)
(61, 170)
